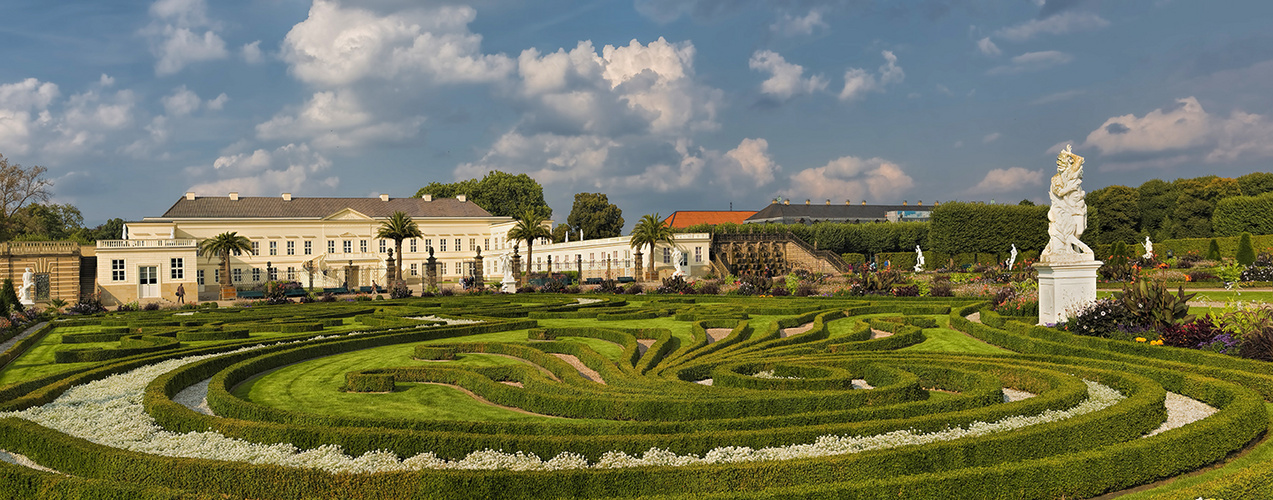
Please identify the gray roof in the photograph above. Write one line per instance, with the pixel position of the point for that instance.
(833, 212)
(207, 207)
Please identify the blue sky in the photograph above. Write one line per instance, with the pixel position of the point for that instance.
(663, 105)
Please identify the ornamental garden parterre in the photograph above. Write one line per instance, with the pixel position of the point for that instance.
(600, 395)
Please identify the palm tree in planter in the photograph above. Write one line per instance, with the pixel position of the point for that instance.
(529, 227)
(222, 245)
(398, 227)
(650, 230)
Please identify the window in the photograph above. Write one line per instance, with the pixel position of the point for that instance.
(291, 247)
(667, 255)
(486, 243)
(291, 273)
(199, 276)
(457, 248)
(472, 244)
(237, 274)
(309, 247)
(256, 274)
(627, 254)
(414, 270)
(256, 248)
(539, 265)
(331, 246)
(426, 243)
(117, 270)
(273, 248)
(177, 268)
(216, 275)
(347, 246)
(442, 242)
(698, 254)
(272, 273)
(382, 246)
(362, 246)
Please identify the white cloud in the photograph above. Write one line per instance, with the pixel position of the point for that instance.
(988, 47)
(798, 26)
(875, 179)
(337, 119)
(32, 117)
(180, 33)
(785, 79)
(218, 103)
(28, 94)
(1032, 61)
(181, 102)
(991, 137)
(857, 82)
(252, 53)
(289, 169)
(754, 163)
(549, 158)
(1187, 130)
(1006, 180)
(105, 80)
(1065, 22)
(339, 45)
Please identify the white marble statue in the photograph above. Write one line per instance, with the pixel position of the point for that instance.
(1067, 218)
(919, 259)
(509, 283)
(678, 261)
(1012, 256)
(1149, 249)
(28, 282)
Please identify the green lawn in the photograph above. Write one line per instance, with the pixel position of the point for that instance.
(947, 340)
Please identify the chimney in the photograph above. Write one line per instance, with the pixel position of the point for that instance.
(921, 203)
(786, 202)
(428, 197)
(828, 201)
(384, 197)
(287, 196)
(864, 202)
(234, 196)
(189, 195)
(935, 203)
(848, 202)
(462, 197)
(903, 203)
(806, 201)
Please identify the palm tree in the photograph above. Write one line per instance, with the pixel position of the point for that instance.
(650, 230)
(398, 227)
(223, 245)
(529, 227)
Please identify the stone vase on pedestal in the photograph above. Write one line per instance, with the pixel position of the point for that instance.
(1064, 288)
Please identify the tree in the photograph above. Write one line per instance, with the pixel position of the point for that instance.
(650, 230)
(502, 194)
(595, 216)
(1213, 250)
(561, 231)
(223, 245)
(398, 227)
(1156, 199)
(1246, 252)
(529, 227)
(46, 222)
(20, 186)
(1256, 183)
(1119, 209)
(1026, 203)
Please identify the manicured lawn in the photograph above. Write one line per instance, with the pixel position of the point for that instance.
(1260, 454)
(947, 340)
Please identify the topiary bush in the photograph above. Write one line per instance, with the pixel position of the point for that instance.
(1213, 250)
(1246, 253)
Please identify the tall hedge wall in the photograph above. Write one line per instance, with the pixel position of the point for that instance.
(1239, 214)
(975, 227)
(866, 238)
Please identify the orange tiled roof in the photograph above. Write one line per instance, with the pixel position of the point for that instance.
(686, 218)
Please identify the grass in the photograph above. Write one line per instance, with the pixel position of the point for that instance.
(1260, 454)
(947, 340)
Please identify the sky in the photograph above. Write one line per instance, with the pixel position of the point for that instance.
(663, 105)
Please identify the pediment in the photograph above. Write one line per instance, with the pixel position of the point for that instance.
(347, 214)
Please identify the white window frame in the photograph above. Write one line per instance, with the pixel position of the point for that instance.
(256, 248)
(177, 268)
(347, 246)
(309, 247)
(273, 248)
(118, 270)
(236, 275)
(291, 247)
(256, 275)
(331, 246)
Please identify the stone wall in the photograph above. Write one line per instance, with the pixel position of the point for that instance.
(58, 260)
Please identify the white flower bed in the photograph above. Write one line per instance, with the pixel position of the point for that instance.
(770, 374)
(110, 412)
(447, 321)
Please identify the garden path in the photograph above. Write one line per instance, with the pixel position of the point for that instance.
(587, 373)
(18, 338)
(716, 334)
(795, 330)
(644, 345)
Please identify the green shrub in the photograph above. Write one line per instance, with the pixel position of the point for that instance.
(369, 382)
(1213, 250)
(1246, 253)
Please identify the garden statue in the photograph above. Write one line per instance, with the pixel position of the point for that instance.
(919, 259)
(678, 260)
(1012, 257)
(1067, 218)
(28, 281)
(1149, 249)
(509, 283)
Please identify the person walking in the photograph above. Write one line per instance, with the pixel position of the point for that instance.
(181, 294)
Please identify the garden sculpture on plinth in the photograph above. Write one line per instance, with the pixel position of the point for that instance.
(1067, 267)
(1149, 249)
(919, 259)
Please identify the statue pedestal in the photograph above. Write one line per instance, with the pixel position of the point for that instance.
(1064, 288)
(509, 285)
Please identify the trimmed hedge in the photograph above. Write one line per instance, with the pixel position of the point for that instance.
(369, 382)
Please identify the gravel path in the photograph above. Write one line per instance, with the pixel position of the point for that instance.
(485, 401)
(974, 317)
(18, 338)
(716, 334)
(23, 460)
(195, 397)
(879, 334)
(860, 383)
(587, 373)
(644, 345)
(1182, 410)
(795, 330)
(706, 381)
(1010, 395)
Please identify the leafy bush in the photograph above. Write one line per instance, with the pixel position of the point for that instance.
(1099, 319)
(779, 291)
(555, 285)
(941, 289)
(327, 297)
(1005, 294)
(1213, 250)
(1201, 276)
(526, 289)
(906, 291)
(400, 290)
(87, 305)
(675, 285)
(1151, 304)
(805, 289)
(634, 289)
(150, 306)
(129, 307)
(1191, 335)
(446, 291)
(1246, 253)
(754, 285)
(710, 287)
(1257, 273)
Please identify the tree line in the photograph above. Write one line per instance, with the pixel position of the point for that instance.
(27, 215)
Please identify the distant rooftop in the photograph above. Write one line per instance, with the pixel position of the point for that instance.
(286, 206)
(808, 213)
(685, 218)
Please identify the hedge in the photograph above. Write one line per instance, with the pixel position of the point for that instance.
(1243, 214)
(974, 227)
(369, 382)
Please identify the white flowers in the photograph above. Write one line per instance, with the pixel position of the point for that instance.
(770, 374)
(110, 412)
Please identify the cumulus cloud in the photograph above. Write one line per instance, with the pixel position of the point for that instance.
(34, 117)
(790, 25)
(1005, 180)
(991, 137)
(217, 103)
(988, 47)
(1061, 23)
(288, 169)
(850, 177)
(1186, 130)
(252, 53)
(549, 158)
(24, 109)
(339, 45)
(337, 119)
(1032, 61)
(785, 79)
(181, 102)
(857, 81)
(180, 33)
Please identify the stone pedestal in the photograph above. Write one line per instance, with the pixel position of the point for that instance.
(431, 273)
(1064, 288)
(479, 280)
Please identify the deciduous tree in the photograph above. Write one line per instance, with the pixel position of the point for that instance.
(502, 194)
(595, 216)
